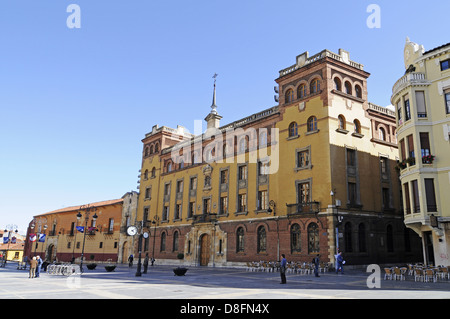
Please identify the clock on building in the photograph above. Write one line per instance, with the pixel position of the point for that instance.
(132, 230)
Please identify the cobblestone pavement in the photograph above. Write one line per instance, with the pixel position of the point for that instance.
(209, 283)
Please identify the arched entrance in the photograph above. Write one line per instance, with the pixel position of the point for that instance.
(205, 247)
(50, 252)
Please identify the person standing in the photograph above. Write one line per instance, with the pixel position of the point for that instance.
(316, 262)
(283, 269)
(146, 263)
(130, 261)
(33, 265)
(340, 263)
(39, 266)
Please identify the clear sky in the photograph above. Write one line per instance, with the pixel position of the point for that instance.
(76, 102)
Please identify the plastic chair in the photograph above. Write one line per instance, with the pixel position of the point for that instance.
(418, 274)
(387, 273)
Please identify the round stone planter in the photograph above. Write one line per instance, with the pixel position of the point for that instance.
(180, 271)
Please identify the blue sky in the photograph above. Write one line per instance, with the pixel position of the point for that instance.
(75, 103)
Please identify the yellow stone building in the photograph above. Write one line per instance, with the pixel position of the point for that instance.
(422, 101)
(311, 175)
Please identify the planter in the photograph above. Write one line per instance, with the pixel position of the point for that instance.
(180, 271)
(91, 266)
(110, 268)
(428, 159)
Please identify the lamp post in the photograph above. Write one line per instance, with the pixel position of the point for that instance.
(87, 209)
(140, 230)
(155, 222)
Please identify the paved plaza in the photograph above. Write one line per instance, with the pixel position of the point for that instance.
(210, 283)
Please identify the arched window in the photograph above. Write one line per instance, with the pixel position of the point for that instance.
(293, 129)
(357, 126)
(163, 242)
(341, 120)
(337, 84)
(181, 164)
(348, 237)
(152, 149)
(295, 239)
(240, 240)
(301, 91)
(313, 238)
(289, 96)
(315, 86)
(358, 91)
(156, 148)
(382, 134)
(169, 167)
(362, 238)
(146, 151)
(261, 244)
(146, 174)
(312, 124)
(175, 240)
(243, 144)
(153, 172)
(348, 87)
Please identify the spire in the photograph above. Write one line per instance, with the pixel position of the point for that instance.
(214, 106)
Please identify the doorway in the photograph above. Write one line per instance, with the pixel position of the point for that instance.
(429, 251)
(205, 246)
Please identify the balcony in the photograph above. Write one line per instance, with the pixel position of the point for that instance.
(303, 208)
(204, 218)
(413, 78)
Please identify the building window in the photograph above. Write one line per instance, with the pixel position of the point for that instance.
(312, 124)
(303, 159)
(165, 215)
(175, 241)
(358, 91)
(178, 208)
(337, 84)
(411, 153)
(263, 168)
(191, 211)
(295, 239)
(381, 134)
(407, 109)
(386, 198)
(416, 200)
(352, 194)
(206, 205)
(240, 240)
(163, 242)
(430, 195)
(348, 237)
(110, 225)
(348, 88)
(293, 129)
(261, 243)
(242, 203)
(242, 172)
(351, 157)
(424, 145)
(445, 65)
(357, 126)
(153, 172)
(341, 122)
(447, 101)
(399, 113)
(303, 192)
(301, 91)
(263, 200)
(148, 193)
(224, 176)
(313, 238)
(407, 199)
(193, 184)
(420, 104)
(223, 207)
(315, 86)
(263, 138)
(289, 96)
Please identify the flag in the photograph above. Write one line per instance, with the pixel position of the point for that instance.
(80, 229)
(42, 238)
(33, 237)
(5, 240)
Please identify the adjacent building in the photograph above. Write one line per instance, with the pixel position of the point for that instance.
(422, 101)
(312, 175)
(97, 230)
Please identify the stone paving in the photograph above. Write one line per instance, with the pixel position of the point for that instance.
(210, 283)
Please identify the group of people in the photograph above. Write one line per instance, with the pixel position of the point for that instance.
(35, 267)
(316, 261)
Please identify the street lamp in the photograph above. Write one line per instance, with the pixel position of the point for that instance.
(87, 209)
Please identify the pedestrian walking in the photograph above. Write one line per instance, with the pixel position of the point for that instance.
(340, 263)
(316, 262)
(33, 265)
(39, 266)
(130, 261)
(283, 269)
(146, 263)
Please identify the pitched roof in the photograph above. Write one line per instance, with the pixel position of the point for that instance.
(75, 208)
